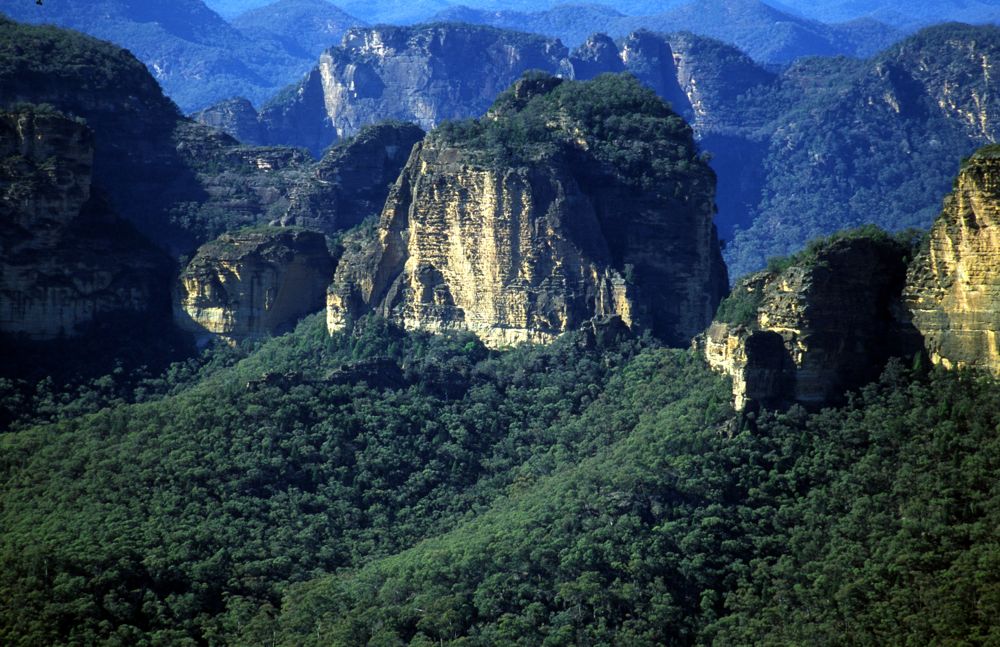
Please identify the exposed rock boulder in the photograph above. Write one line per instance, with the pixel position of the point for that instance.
(253, 283)
(352, 180)
(543, 215)
(823, 325)
(65, 259)
(953, 289)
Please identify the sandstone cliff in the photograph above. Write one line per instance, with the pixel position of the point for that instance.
(815, 329)
(253, 283)
(953, 289)
(543, 215)
(352, 180)
(65, 260)
(423, 74)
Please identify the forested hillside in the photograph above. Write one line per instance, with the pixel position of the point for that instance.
(569, 494)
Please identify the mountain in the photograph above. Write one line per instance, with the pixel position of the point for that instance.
(570, 23)
(767, 34)
(849, 143)
(179, 183)
(303, 28)
(763, 32)
(568, 201)
(423, 74)
(900, 14)
(192, 52)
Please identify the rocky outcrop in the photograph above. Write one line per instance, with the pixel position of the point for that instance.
(236, 117)
(953, 289)
(180, 183)
(424, 74)
(814, 330)
(351, 182)
(521, 241)
(253, 283)
(65, 259)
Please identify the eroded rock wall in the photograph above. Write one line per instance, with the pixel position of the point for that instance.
(953, 289)
(253, 283)
(65, 259)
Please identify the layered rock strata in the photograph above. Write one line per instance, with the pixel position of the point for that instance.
(521, 242)
(953, 289)
(809, 333)
(253, 283)
(65, 259)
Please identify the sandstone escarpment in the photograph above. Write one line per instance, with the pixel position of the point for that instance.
(423, 74)
(65, 260)
(812, 331)
(253, 283)
(953, 289)
(352, 180)
(522, 240)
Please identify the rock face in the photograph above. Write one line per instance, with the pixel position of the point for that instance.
(423, 74)
(352, 180)
(253, 283)
(953, 289)
(65, 260)
(236, 117)
(179, 182)
(816, 329)
(522, 241)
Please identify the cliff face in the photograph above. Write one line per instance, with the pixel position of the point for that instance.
(953, 289)
(820, 327)
(253, 283)
(64, 258)
(352, 180)
(180, 183)
(236, 117)
(423, 74)
(521, 244)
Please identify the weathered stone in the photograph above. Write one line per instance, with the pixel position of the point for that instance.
(523, 252)
(253, 283)
(424, 74)
(235, 117)
(825, 325)
(953, 289)
(64, 258)
(351, 182)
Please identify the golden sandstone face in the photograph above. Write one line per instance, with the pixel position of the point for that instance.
(953, 289)
(254, 283)
(521, 255)
(949, 304)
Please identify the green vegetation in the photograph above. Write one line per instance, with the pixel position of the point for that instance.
(741, 305)
(556, 495)
(612, 120)
(851, 142)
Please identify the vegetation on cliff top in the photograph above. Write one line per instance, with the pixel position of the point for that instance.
(740, 307)
(631, 132)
